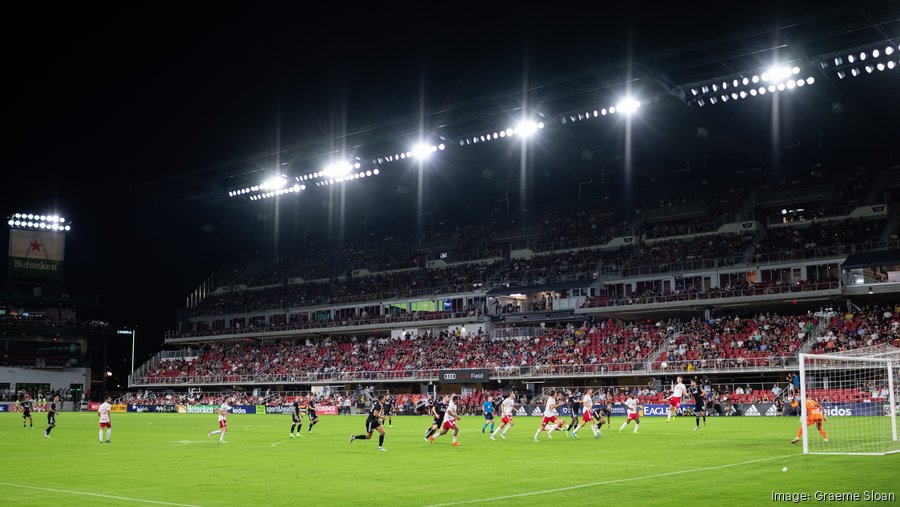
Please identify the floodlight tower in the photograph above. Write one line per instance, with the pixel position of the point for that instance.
(37, 244)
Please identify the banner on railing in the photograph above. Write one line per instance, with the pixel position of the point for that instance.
(118, 408)
(279, 409)
(168, 409)
(4, 408)
(845, 409)
(93, 406)
(757, 409)
(654, 409)
(201, 409)
(464, 376)
(326, 410)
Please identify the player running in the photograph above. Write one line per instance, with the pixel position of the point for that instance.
(814, 415)
(507, 408)
(674, 399)
(588, 415)
(389, 410)
(549, 421)
(374, 423)
(311, 413)
(450, 419)
(488, 408)
(224, 409)
(27, 405)
(103, 413)
(631, 409)
(699, 403)
(437, 410)
(51, 419)
(296, 418)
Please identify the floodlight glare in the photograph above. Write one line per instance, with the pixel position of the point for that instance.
(68, 228)
(628, 106)
(880, 66)
(337, 169)
(274, 182)
(889, 50)
(526, 128)
(422, 151)
(891, 64)
(11, 222)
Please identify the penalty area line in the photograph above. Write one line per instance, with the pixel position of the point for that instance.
(98, 495)
(614, 481)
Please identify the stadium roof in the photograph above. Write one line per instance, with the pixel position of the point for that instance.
(660, 78)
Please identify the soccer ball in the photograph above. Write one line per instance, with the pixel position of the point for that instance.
(784, 469)
(664, 365)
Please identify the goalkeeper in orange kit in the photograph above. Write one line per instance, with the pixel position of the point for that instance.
(814, 415)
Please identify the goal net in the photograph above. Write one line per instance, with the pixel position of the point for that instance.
(848, 401)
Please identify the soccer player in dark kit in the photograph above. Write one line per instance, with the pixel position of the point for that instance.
(437, 410)
(51, 419)
(373, 424)
(697, 393)
(26, 412)
(296, 418)
(311, 413)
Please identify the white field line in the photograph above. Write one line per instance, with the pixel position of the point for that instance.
(615, 481)
(97, 495)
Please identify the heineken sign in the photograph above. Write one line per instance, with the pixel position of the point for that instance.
(36, 254)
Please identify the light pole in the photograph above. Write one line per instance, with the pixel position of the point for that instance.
(133, 333)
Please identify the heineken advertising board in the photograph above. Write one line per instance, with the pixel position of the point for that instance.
(36, 254)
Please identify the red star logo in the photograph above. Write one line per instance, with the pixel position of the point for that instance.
(36, 246)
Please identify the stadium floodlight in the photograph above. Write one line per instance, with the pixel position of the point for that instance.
(526, 128)
(336, 169)
(274, 182)
(424, 151)
(629, 106)
(11, 222)
(889, 50)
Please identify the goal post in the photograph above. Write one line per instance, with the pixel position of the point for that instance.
(857, 393)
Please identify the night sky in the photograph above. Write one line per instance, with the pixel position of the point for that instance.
(99, 100)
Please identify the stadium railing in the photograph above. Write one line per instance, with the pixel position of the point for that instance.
(730, 365)
(714, 294)
(497, 372)
(433, 316)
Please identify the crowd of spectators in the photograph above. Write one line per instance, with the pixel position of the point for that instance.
(868, 327)
(734, 342)
(598, 347)
(827, 237)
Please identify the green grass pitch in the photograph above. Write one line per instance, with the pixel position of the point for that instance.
(167, 459)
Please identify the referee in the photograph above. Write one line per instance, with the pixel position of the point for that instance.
(373, 424)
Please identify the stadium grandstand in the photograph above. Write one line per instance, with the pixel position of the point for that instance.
(696, 256)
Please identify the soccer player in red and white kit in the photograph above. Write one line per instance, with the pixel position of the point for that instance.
(103, 412)
(224, 408)
(587, 415)
(631, 407)
(507, 408)
(678, 391)
(450, 418)
(549, 421)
